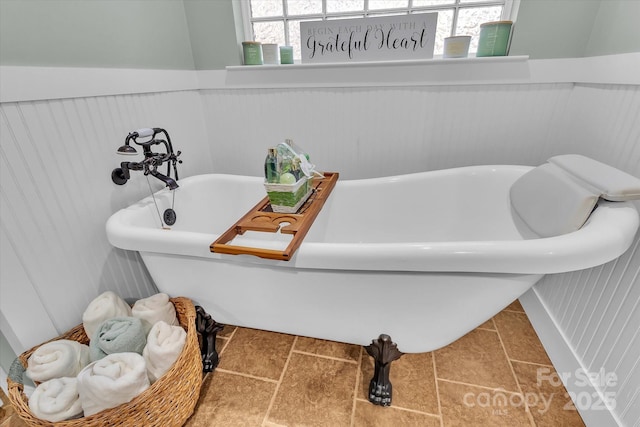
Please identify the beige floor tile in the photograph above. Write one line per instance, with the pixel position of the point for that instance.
(5, 411)
(469, 406)
(328, 348)
(13, 421)
(4, 398)
(515, 306)
(8, 415)
(520, 339)
(315, 391)
(413, 381)
(232, 400)
(548, 400)
(220, 343)
(476, 383)
(488, 325)
(226, 331)
(259, 353)
(476, 358)
(370, 415)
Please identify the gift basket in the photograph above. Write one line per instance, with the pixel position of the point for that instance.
(296, 193)
(169, 401)
(288, 175)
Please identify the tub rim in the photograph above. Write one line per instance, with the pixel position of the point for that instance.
(607, 234)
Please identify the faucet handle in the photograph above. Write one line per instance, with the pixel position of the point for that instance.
(144, 132)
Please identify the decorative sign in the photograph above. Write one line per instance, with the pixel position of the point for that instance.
(369, 39)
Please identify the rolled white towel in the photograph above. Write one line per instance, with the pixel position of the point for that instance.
(105, 306)
(164, 345)
(56, 400)
(155, 308)
(111, 381)
(56, 359)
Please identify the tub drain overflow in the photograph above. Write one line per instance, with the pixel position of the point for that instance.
(169, 216)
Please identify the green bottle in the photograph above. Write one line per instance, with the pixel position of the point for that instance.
(271, 167)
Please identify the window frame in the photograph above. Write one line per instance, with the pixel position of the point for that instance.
(509, 12)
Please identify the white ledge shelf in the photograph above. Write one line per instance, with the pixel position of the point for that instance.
(496, 69)
(25, 83)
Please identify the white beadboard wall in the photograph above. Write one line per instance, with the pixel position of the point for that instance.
(378, 131)
(56, 156)
(56, 159)
(598, 310)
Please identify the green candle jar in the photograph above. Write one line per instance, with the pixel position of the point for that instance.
(494, 38)
(286, 54)
(252, 52)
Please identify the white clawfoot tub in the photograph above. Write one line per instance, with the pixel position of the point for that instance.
(423, 258)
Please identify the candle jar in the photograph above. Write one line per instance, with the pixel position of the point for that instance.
(270, 53)
(286, 54)
(252, 52)
(456, 47)
(494, 38)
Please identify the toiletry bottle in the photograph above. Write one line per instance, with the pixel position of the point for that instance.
(295, 169)
(271, 167)
(285, 157)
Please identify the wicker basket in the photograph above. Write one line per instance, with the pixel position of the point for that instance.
(170, 401)
(287, 198)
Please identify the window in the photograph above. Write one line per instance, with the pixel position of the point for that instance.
(278, 21)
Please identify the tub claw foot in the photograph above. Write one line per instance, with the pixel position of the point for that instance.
(207, 331)
(383, 351)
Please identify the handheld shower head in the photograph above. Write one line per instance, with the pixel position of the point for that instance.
(127, 150)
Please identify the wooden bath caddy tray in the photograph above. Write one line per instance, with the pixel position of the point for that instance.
(262, 218)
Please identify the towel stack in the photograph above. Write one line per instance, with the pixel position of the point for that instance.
(166, 339)
(129, 349)
(55, 365)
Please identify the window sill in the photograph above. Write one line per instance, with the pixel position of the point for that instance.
(23, 83)
(497, 69)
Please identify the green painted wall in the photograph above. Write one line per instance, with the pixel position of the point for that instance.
(213, 34)
(95, 33)
(200, 34)
(553, 28)
(616, 28)
(576, 28)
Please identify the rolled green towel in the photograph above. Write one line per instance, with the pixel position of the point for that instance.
(118, 335)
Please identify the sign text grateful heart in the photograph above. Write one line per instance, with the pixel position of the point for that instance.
(369, 39)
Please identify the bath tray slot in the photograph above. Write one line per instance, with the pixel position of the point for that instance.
(262, 218)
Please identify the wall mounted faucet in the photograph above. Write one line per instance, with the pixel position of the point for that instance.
(151, 160)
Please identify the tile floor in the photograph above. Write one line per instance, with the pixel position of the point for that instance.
(493, 376)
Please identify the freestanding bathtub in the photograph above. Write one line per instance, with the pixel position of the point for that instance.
(423, 257)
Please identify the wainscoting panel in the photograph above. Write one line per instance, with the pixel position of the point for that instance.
(55, 159)
(598, 310)
(56, 193)
(378, 131)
